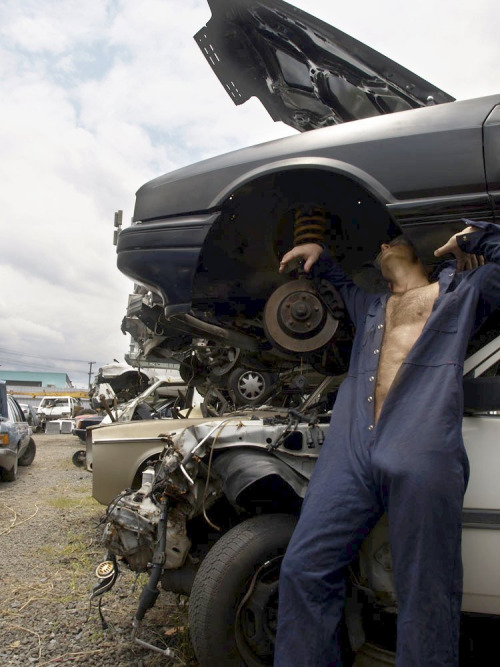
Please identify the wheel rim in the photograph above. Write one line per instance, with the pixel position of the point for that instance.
(257, 616)
(251, 385)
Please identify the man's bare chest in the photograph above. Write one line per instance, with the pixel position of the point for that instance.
(411, 308)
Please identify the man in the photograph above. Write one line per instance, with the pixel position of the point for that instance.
(395, 446)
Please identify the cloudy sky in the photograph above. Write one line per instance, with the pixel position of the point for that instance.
(99, 96)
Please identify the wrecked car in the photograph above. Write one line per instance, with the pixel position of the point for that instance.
(124, 382)
(207, 507)
(57, 407)
(161, 400)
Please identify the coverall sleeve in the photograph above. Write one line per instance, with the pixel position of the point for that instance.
(485, 241)
(355, 299)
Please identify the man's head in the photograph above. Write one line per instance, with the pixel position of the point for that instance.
(400, 248)
(397, 255)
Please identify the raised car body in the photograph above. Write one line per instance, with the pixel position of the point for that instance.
(372, 156)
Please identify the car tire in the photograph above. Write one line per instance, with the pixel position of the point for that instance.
(79, 458)
(29, 454)
(233, 603)
(215, 402)
(248, 387)
(10, 475)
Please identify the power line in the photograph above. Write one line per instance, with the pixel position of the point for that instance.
(33, 356)
(8, 364)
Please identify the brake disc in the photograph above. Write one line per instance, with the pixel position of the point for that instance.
(296, 319)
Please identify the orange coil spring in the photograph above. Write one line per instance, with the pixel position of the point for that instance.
(309, 226)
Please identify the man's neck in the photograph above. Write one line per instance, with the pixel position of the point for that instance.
(405, 278)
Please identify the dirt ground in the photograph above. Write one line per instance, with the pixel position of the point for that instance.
(50, 545)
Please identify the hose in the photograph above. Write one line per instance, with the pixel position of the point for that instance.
(150, 591)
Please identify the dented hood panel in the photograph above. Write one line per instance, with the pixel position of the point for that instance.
(305, 72)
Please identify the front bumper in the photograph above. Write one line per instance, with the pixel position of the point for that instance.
(163, 255)
(7, 458)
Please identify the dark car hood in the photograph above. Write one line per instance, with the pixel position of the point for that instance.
(305, 72)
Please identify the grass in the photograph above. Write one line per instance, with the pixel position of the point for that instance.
(65, 502)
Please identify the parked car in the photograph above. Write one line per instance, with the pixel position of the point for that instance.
(235, 485)
(17, 447)
(379, 151)
(83, 421)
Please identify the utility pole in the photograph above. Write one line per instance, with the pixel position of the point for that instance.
(91, 363)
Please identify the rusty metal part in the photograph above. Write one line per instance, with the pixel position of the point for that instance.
(296, 318)
(309, 225)
(104, 404)
(194, 326)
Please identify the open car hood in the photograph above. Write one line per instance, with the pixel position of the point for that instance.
(305, 72)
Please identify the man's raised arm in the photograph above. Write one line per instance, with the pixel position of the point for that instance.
(478, 245)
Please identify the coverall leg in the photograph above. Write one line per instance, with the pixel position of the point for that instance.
(339, 511)
(423, 491)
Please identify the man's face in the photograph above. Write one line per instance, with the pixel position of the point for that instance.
(399, 249)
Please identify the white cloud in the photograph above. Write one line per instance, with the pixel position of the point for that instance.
(52, 26)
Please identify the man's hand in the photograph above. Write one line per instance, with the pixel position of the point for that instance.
(309, 252)
(464, 260)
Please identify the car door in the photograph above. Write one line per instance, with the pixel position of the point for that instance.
(481, 516)
(20, 425)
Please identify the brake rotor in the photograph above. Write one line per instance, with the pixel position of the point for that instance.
(296, 319)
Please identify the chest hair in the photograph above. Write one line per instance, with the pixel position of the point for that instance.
(412, 307)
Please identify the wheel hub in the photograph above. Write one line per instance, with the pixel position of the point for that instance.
(257, 616)
(296, 319)
(251, 385)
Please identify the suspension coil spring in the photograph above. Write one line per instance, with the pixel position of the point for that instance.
(309, 226)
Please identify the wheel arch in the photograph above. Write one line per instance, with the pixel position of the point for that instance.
(257, 481)
(334, 167)
(240, 256)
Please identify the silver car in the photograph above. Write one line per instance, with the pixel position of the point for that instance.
(17, 447)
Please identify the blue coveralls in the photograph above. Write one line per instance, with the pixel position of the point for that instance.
(412, 464)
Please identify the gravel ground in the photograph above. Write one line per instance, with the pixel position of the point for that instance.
(50, 544)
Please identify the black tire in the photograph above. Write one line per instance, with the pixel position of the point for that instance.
(29, 454)
(248, 387)
(79, 458)
(234, 599)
